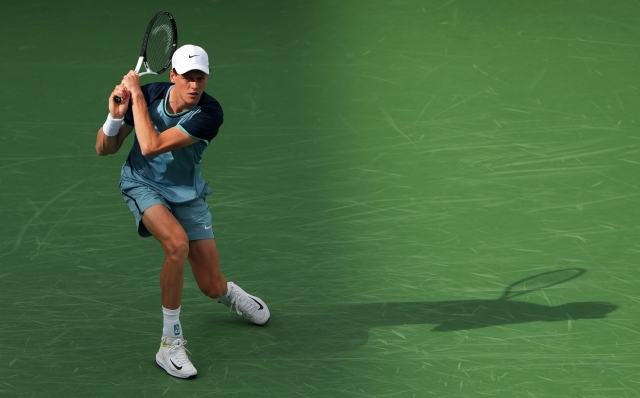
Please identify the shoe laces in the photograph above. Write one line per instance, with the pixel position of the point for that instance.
(241, 302)
(177, 352)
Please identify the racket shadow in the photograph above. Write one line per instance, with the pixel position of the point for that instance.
(324, 329)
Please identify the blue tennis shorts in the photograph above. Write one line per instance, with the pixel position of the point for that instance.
(194, 216)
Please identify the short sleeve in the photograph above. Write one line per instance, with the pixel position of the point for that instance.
(204, 125)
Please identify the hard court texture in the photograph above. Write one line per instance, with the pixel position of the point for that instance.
(394, 178)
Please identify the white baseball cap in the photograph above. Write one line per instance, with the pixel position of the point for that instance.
(190, 57)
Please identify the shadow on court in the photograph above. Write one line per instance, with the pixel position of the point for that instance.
(324, 329)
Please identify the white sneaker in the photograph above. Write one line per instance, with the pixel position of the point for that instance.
(173, 358)
(250, 307)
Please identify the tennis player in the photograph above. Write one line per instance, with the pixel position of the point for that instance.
(162, 185)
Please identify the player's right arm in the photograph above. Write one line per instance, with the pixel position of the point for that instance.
(110, 142)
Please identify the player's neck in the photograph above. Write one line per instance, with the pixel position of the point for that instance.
(175, 104)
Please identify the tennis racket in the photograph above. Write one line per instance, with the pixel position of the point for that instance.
(159, 44)
(541, 281)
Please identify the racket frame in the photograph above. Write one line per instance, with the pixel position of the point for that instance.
(142, 59)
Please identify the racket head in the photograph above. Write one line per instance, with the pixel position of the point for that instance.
(159, 43)
(541, 281)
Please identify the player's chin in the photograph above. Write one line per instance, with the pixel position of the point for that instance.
(193, 98)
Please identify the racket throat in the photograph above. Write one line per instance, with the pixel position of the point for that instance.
(139, 65)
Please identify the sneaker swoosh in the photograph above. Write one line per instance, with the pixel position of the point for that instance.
(175, 366)
(257, 302)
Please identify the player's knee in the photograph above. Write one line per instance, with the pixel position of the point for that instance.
(177, 251)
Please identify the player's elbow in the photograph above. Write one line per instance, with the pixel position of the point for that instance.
(146, 152)
(149, 151)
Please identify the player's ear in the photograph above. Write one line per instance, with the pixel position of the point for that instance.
(172, 75)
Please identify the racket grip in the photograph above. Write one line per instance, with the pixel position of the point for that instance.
(117, 99)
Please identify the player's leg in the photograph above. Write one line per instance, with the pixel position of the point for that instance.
(205, 264)
(195, 218)
(154, 219)
(167, 230)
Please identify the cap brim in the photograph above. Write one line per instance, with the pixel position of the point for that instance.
(181, 70)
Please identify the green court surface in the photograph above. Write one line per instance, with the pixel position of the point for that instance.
(435, 198)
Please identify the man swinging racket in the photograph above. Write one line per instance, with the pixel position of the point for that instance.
(162, 185)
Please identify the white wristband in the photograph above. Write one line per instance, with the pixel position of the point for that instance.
(111, 126)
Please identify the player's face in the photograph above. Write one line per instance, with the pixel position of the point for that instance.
(189, 86)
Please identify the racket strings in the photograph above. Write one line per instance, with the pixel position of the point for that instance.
(160, 44)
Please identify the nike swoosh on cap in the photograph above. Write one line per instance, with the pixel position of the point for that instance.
(191, 56)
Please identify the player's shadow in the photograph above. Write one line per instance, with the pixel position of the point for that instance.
(336, 328)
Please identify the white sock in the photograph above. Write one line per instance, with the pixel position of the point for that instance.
(226, 299)
(171, 325)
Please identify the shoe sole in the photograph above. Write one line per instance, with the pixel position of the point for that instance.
(172, 373)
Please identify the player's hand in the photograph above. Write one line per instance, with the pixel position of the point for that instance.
(132, 82)
(118, 110)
